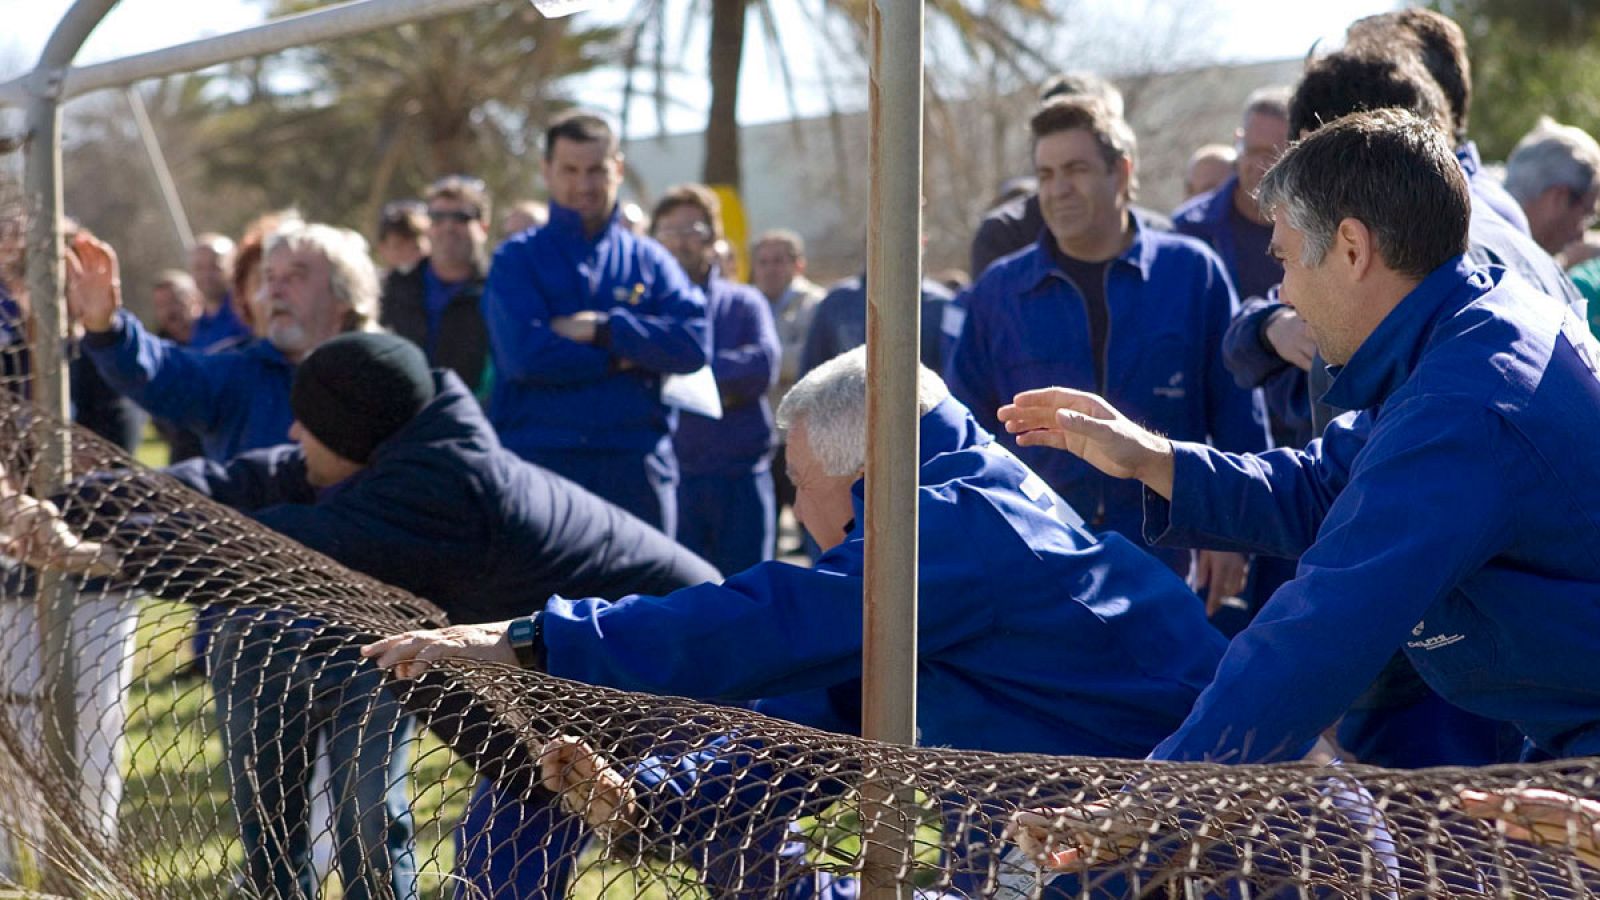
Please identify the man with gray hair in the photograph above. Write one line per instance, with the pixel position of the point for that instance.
(320, 282)
(1228, 218)
(1554, 173)
(1014, 590)
(1458, 499)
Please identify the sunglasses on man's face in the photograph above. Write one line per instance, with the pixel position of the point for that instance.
(458, 216)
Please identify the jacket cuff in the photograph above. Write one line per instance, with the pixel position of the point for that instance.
(602, 334)
(111, 336)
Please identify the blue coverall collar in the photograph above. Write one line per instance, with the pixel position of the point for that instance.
(1140, 254)
(565, 221)
(1467, 155)
(1387, 357)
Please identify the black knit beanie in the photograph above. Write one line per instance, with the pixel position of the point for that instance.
(355, 391)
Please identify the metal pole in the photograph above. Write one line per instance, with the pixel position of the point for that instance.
(325, 24)
(43, 196)
(158, 166)
(894, 293)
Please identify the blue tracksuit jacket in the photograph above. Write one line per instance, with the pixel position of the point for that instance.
(1033, 634)
(840, 323)
(236, 399)
(1455, 517)
(552, 393)
(1170, 302)
(444, 512)
(744, 359)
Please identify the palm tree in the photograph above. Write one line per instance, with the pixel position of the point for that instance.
(992, 34)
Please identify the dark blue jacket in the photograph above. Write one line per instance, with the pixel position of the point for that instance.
(744, 358)
(236, 400)
(552, 393)
(444, 512)
(1206, 217)
(1253, 362)
(1033, 634)
(221, 327)
(840, 323)
(1455, 517)
(1170, 301)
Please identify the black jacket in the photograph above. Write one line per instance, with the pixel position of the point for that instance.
(463, 344)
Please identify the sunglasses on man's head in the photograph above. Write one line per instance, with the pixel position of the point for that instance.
(458, 216)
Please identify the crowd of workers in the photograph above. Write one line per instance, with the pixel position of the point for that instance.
(1305, 458)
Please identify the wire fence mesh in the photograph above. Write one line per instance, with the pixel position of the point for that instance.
(294, 767)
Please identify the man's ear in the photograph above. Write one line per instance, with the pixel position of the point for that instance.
(1356, 247)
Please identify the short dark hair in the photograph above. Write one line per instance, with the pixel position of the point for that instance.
(1353, 81)
(465, 189)
(1082, 84)
(695, 195)
(1437, 42)
(1387, 169)
(579, 125)
(1072, 111)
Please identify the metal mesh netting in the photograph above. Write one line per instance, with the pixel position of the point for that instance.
(121, 777)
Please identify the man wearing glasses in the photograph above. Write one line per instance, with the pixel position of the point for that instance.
(435, 304)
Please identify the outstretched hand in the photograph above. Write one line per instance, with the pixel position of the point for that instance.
(1087, 426)
(94, 282)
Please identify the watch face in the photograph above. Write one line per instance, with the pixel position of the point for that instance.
(521, 631)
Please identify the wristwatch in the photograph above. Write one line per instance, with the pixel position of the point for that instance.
(527, 641)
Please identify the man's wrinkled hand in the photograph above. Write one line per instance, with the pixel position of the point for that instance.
(1071, 839)
(1539, 816)
(1291, 339)
(588, 785)
(581, 327)
(1087, 426)
(410, 654)
(33, 531)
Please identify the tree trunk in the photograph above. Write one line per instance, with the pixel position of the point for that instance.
(722, 128)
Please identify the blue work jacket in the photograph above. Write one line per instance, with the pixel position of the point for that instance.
(444, 512)
(224, 326)
(1170, 302)
(1206, 218)
(1455, 517)
(1034, 635)
(554, 393)
(840, 323)
(745, 353)
(235, 399)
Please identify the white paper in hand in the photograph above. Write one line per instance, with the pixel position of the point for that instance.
(555, 9)
(695, 392)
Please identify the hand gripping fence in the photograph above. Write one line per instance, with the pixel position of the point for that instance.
(295, 765)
